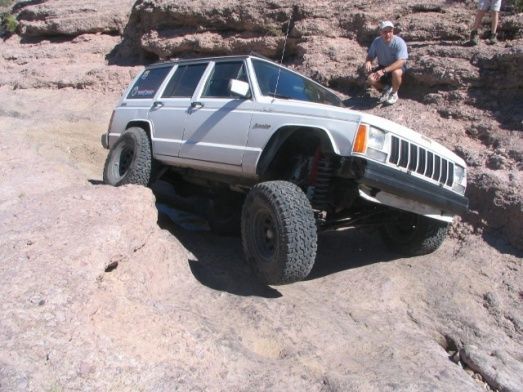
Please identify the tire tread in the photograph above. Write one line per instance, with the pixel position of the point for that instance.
(427, 238)
(297, 231)
(140, 171)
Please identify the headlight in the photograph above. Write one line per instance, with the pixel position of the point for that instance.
(460, 179)
(375, 145)
(376, 139)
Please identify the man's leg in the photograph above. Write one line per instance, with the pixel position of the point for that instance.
(494, 22)
(397, 77)
(477, 22)
(495, 7)
(474, 35)
(493, 39)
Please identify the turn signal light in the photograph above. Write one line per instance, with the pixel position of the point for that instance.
(360, 142)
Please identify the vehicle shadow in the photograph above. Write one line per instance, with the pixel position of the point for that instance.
(348, 249)
(218, 261)
(219, 264)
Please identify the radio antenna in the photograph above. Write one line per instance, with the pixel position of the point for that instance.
(286, 36)
(283, 51)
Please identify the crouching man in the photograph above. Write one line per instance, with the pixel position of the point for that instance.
(391, 53)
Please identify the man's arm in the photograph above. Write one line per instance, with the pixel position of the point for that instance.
(368, 64)
(394, 66)
(371, 55)
(389, 68)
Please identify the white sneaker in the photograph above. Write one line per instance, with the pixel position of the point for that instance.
(387, 90)
(393, 98)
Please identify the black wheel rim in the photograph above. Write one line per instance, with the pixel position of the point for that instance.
(124, 163)
(266, 235)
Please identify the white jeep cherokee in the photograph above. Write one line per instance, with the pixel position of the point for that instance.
(280, 150)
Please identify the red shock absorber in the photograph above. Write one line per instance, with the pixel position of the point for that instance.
(314, 168)
(319, 180)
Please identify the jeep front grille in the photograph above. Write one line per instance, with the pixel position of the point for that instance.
(419, 160)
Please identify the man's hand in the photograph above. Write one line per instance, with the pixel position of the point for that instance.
(375, 76)
(368, 66)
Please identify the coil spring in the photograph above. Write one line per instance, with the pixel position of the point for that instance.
(320, 197)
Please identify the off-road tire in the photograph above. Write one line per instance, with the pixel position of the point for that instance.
(413, 235)
(130, 159)
(279, 233)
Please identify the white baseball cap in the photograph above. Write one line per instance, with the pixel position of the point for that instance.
(385, 24)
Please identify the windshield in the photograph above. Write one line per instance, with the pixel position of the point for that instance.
(291, 85)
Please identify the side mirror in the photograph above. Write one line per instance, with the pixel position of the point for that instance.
(239, 87)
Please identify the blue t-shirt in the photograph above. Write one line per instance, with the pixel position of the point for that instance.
(388, 53)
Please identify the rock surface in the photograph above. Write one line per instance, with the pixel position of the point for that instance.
(101, 292)
(68, 18)
(476, 90)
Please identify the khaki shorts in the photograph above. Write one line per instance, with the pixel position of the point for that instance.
(493, 5)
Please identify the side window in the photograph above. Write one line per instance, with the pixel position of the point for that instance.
(223, 72)
(291, 85)
(148, 83)
(270, 77)
(267, 74)
(184, 81)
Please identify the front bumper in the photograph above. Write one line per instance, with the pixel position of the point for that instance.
(383, 178)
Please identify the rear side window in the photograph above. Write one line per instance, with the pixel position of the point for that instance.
(184, 81)
(218, 83)
(148, 83)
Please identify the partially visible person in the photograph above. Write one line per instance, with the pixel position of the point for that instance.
(483, 7)
(391, 53)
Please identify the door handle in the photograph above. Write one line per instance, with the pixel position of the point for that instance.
(196, 105)
(157, 105)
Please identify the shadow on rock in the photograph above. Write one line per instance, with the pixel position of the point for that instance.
(504, 105)
(348, 249)
(218, 262)
(129, 52)
(498, 241)
(362, 102)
